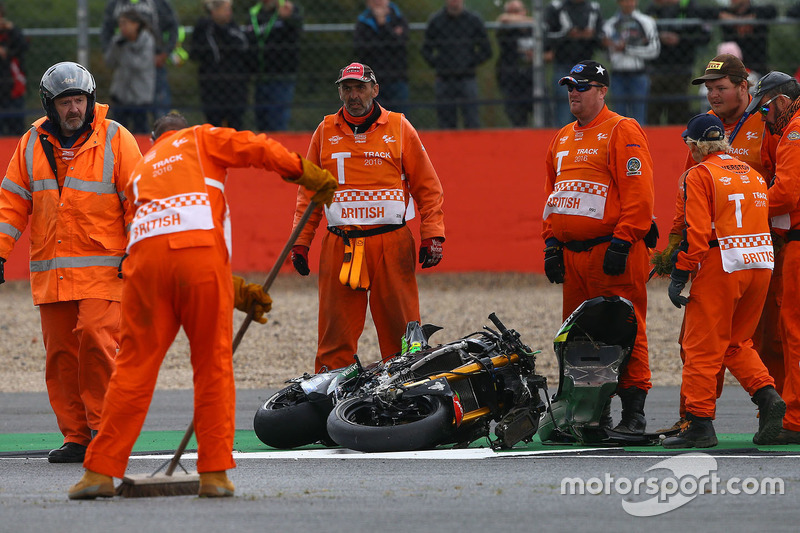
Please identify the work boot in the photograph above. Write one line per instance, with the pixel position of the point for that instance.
(771, 409)
(633, 420)
(698, 432)
(605, 417)
(215, 485)
(92, 485)
(785, 436)
(70, 452)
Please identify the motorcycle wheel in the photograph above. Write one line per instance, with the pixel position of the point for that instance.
(288, 419)
(368, 424)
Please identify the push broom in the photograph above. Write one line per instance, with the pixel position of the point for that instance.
(185, 483)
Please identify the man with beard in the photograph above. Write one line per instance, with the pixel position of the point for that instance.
(368, 251)
(749, 140)
(777, 99)
(68, 174)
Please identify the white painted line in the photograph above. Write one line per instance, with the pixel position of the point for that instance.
(343, 453)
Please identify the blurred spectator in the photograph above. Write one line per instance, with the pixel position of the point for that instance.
(274, 36)
(133, 81)
(751, 36)
(728, 47)
(12, 76)
(455, 44)
(631, 38)
(220, 48)
(381, 39)
(672, 71)
(163, 21)
(515, 64)
(574, 29)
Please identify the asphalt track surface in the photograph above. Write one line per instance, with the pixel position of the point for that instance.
(443, 490)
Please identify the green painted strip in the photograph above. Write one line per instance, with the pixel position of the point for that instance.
(246, 441)
(149, 441)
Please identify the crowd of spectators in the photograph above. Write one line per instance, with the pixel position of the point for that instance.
(651, 50)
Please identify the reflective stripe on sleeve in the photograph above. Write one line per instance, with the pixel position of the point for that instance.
(12, 187)
(10, 230)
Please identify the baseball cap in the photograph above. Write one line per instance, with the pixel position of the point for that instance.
(356, 71)
(586, 72)
(767, 83)
(721, 66)
(704, 127)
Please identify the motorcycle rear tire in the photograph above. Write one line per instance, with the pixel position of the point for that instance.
(288, 420)
(351, 424)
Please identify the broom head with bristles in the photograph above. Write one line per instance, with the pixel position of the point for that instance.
(154, 485)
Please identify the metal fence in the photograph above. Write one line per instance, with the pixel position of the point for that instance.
(325, 47)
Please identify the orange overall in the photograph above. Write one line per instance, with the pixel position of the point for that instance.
(755, 146)
(600, 185)
(77, 225)
(177, 274)
(784, 208)
(379, 171)
(735, 261)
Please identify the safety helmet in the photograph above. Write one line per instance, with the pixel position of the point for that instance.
(67, 79)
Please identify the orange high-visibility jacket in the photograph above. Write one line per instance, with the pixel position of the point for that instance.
(78, 233)
(599, 181)
(376, 171)
(784, 195)
(178, 186)
(753, 144)
(726, 200)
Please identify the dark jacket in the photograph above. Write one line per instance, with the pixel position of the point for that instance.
(513, 64)
(679, 58)
(560, 17)
(221, 54)
(159, 14)
(16, 44)
(751, 38)
(383, 48)
(274, 42)
(455, 46)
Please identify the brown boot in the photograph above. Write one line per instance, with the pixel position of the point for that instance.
(215, 485)
(677, 426)
(92, 485)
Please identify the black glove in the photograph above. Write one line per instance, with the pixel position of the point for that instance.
(651, 239)
(2, 271)
(554, 263)
(300, 259)
(616, 257)
(678, 280)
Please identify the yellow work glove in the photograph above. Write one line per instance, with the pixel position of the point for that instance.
(662, 261)
(317, 179)
(250, 294)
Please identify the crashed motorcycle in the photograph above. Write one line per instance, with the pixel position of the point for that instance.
(592, 348)
(297, 415)
(448, 394)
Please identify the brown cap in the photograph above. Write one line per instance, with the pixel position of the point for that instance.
(356, 71)
(721, 66)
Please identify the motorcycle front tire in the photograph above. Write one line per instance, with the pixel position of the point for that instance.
(353, 424)
(288, 420)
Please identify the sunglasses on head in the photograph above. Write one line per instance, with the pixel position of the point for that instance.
(581, 88)
(764, 109)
